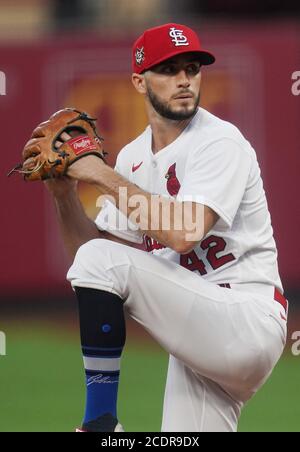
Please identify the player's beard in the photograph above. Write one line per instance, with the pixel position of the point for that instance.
(162, 107)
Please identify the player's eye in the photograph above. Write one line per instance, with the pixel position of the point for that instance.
(193, 68)
(168, 69)
(171, 68)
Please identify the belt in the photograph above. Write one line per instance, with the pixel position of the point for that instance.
(281, 299)
(277, 296)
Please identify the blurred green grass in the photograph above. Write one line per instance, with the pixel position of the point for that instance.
(42, 386)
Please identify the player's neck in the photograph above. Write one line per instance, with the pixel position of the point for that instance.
(165, 131)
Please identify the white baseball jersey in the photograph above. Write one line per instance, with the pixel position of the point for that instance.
(223, 344)
(213, 164)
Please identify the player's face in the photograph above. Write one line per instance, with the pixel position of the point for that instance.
(173, 87)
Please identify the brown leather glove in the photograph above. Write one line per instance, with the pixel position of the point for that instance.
(56, 144)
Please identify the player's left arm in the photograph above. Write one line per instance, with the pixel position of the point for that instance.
(175, 224)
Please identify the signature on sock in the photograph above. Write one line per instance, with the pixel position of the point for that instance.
(100, 378)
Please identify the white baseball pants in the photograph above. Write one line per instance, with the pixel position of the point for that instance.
(223, 343)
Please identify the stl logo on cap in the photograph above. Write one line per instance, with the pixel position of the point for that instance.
(139, 56)
(178, 38)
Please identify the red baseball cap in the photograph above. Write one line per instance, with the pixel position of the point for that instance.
(161, 43)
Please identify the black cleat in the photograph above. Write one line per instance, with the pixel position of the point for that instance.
(104, 423)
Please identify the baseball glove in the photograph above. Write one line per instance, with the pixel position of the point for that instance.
(56, 144)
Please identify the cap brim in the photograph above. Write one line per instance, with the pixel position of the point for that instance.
(207, 58)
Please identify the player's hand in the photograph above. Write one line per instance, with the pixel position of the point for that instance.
(82, 168)
(85, 169)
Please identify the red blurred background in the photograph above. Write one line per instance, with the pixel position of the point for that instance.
(250, 85)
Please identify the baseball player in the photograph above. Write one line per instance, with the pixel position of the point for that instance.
(206, 285)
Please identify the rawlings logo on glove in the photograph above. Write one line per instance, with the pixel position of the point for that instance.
(82, 144)
(56, 144)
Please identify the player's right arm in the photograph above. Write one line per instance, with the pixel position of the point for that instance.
(75, 226)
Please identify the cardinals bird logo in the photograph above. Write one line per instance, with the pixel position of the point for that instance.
(173, 184)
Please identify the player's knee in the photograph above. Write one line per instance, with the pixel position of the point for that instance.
(247, 369)
(91, 249)
(83, 254)
(87, 261)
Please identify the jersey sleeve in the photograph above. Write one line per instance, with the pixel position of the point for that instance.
(217, 176)
(111, 220)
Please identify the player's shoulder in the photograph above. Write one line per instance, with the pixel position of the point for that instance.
(214, 128)
(217, 134)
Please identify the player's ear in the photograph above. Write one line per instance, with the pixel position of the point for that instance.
(138, 81)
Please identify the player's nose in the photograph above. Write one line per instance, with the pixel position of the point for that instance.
(183, 79)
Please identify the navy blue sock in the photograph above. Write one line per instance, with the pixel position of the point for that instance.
(103, 334)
